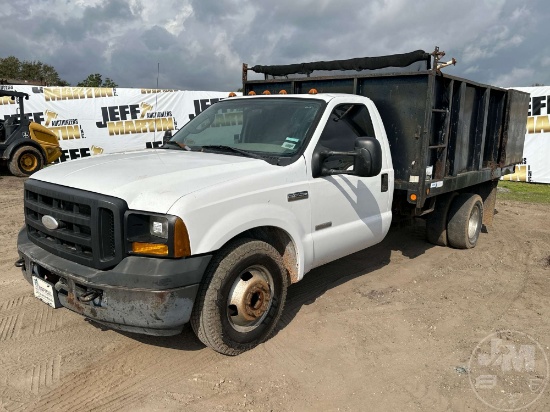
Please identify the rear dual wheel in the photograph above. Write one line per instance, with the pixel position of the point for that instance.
(436, 224)
(465, 221)
(456, 221)
(242, 297)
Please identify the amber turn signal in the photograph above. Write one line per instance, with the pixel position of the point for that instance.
(182, 247)
(150, 248)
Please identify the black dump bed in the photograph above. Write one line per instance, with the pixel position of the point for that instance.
(445, 133)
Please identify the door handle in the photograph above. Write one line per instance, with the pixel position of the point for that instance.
(385, 184)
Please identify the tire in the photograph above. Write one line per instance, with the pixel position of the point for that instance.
(241, 298)
(436, 222)
(25, 161)
(465, 221)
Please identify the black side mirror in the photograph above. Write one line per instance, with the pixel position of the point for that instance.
(367, 159)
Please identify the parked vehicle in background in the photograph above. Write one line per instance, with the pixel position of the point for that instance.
(25, 146)
(256, 191)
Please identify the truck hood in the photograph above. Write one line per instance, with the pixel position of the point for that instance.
(151, 180)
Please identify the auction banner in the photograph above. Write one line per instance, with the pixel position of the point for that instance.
(536, 152)
(94, 120)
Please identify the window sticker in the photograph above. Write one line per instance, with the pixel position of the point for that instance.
(288, 145)
(292, 139)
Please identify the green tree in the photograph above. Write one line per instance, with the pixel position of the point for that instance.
(10, 68)
(13, 68)
(95, 80)
(51, 76)
(31, 70)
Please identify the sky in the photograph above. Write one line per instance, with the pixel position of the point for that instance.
(201, 44)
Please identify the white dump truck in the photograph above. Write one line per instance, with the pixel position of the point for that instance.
(256, 191)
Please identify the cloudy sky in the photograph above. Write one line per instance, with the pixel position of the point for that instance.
(200, 44)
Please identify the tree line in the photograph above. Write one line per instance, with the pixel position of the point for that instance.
(35, 71)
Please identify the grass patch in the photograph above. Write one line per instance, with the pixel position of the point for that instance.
(524, 192)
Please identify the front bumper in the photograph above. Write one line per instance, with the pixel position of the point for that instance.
(144, 295)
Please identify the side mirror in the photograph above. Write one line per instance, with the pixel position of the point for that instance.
(367, 159)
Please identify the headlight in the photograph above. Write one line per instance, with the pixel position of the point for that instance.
(158, 226)
(156, 235)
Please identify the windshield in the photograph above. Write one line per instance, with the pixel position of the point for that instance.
(271, 126)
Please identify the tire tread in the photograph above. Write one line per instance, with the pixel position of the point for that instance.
(436, 222)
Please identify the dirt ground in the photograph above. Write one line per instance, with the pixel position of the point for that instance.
(391, 328)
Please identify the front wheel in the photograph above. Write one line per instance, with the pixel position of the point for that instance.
(241, 298)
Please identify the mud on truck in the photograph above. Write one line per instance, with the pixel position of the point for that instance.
(256, 191)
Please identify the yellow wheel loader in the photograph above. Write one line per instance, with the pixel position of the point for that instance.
(25, 146)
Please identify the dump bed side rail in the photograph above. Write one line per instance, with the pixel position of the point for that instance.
(446, 133)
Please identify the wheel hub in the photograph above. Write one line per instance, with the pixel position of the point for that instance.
(250, 298)
(28, 162)
(473, 223)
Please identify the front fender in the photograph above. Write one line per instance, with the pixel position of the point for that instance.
(216, 232)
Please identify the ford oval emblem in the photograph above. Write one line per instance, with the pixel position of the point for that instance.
(50, 222)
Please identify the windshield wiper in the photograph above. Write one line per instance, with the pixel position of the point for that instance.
(174, 143)
(232, 149)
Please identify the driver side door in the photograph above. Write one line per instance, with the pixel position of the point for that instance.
(349, 213)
